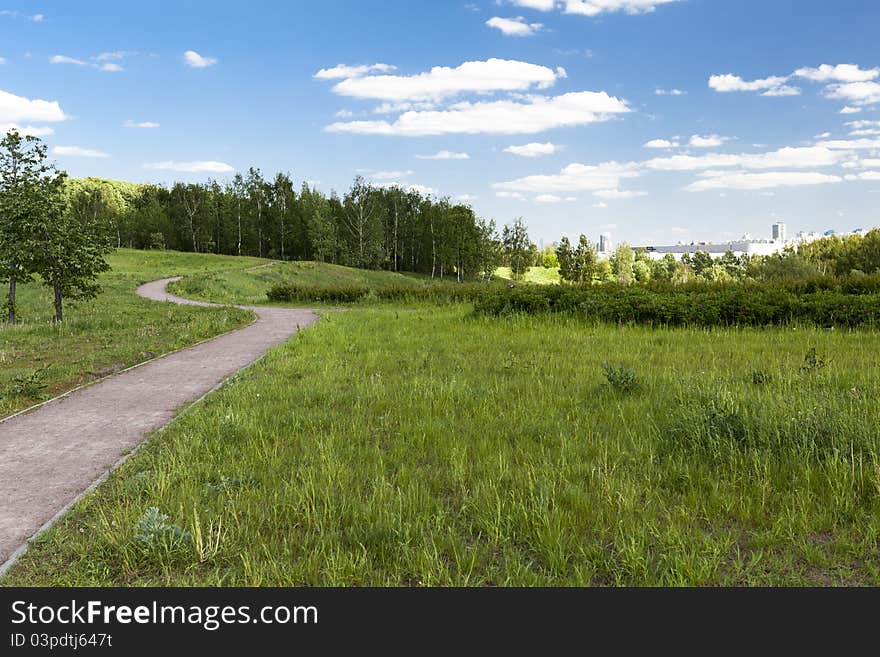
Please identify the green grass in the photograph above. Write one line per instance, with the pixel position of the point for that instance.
(436, 448)
(249, 286)
(114, 331)
(538, 275)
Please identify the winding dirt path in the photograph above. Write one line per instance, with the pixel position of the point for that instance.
(54, 454)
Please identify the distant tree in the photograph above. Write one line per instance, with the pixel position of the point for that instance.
(642, 271)
(488, 256)
(76, 239)
(283, 198)
(29, 187)
(518, 249)
(322, 234)
(549, 259)
(584, 262)
(604, 272)
(663, 269)
(701, 261)
(564, 256)
(622, 264)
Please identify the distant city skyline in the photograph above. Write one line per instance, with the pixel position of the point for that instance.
(655, 120)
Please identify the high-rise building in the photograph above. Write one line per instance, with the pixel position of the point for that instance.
(605, 245)
(779, 232)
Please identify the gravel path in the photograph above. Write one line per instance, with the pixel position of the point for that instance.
(52, 455)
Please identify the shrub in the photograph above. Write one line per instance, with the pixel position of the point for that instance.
(622, 379)
(287, 292)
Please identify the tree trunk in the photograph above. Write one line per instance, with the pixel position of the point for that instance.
(239, 227)
(59, 311)
(11, 307)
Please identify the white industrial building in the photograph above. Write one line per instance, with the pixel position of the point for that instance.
(746, 245)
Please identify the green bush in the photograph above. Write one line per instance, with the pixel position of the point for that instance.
(287, 292)
(698, 305)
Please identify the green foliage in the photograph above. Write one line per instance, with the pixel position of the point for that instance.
(156, 536)
(27, 386)
(698, 305)
(622, 379)
(519, 251)
(813, 361)
(287, 292)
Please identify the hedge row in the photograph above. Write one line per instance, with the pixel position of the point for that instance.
(286, 292)
(719, 306)
(440, 293)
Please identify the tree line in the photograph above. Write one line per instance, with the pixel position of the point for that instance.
(368, 227)
(579, 263)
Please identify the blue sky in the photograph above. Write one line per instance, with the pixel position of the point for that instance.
(656, 120)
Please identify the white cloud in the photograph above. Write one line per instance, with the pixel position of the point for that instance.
(110, 67)
(205, 166)
(799, 158)
(574, 178)
(114, 55)
(534, 149)
(850, 110)
(420, 189)
(444, 155)
(615, 194)
(872, 176)
(466, 198)
(513, 195)
(707, 141)
(856, 93)
(547, 198)
(838, 73)
(2, 61)
(443, 82)
(772, 86)
(342, 71)
(14, 109)
(850, 144)
(669, 92)
(596, 7)
(660, 143)
(385, 175)
(141, 124)
(824, 135)
(600, 204)
(64, 59)
(758, 181)
(38, 18)
(76, 151)
(194, 60)
(534, 114)
(539, 5)
(344, 114)
(33, 131)
(517, 27)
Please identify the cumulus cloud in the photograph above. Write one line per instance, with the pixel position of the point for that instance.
(661, 143)
(343, 71)
(669, 92)
(850, 110)
(201, 166)
(529, 116)
(194, 60)
(850, 144)
(707, 141)
(443, 82)
(575, 177)
(15, 109)
(140, 124)
(772, 86)
(798, 158)
(444, 155)
(616, 194)
(838, 73)
(858, 94)
(596, 7)
(25, 130)
(758, 181)
(539, 5)
(534, 149)
(64, 59)
(517, 27)
(76, 151)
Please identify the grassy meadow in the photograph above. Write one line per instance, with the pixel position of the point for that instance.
(114, 331)
(433, 447)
